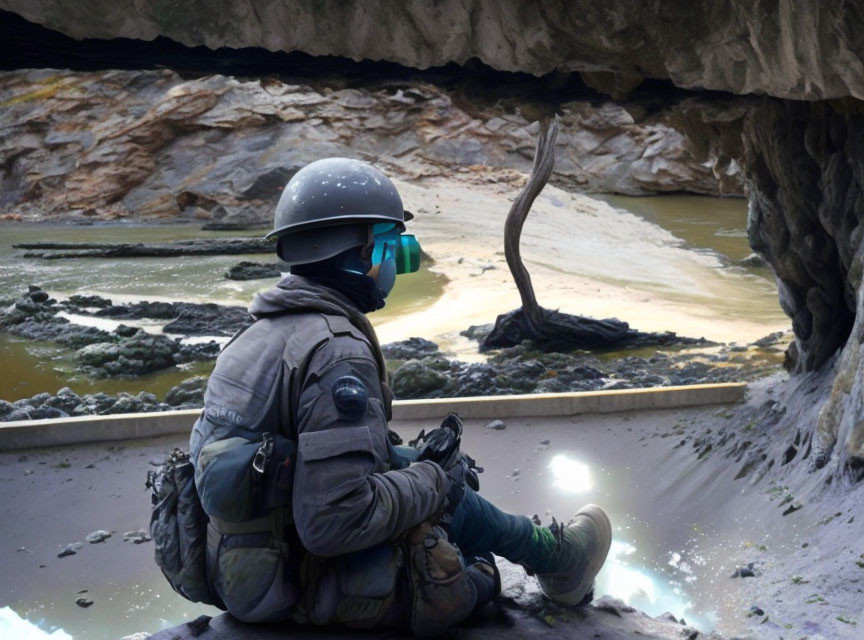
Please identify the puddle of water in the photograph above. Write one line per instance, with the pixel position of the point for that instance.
(627, 575)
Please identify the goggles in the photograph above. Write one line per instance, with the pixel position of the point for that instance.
(392, 244)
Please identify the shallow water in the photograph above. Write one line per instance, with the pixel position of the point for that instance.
(686, 282)
(715, 224)
(33, 367)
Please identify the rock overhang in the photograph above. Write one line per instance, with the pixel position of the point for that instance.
(806, 49)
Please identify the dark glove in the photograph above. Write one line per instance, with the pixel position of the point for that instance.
(441, 446)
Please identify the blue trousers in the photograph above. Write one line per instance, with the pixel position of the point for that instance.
(479, 527)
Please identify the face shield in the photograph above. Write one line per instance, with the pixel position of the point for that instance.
(393, 245)
(393, 253)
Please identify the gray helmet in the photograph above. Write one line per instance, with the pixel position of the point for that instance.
(329, 207)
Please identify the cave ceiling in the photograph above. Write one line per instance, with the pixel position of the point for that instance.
(798, 49)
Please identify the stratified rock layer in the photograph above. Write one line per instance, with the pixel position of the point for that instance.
(806, 49)
(115, 144)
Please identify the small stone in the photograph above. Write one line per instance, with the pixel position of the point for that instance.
(545, 443)
(83, 602)
(199, 625)
(28, 472)
(23, 550)
(756, 611)
(792, 508)
(100, 535)
(496, 425)
(70, 549)
(137, 537)
(515, 472)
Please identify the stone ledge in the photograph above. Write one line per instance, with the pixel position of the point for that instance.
(26, 434)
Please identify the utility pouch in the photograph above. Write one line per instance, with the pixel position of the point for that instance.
(178, 526)
(355, 590)
(241, 480)
(443, 591)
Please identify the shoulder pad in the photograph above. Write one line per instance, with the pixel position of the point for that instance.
(350, 397)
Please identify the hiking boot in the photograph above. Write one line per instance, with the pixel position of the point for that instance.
(584, 544)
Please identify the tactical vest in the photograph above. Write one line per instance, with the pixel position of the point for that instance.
(243, 445)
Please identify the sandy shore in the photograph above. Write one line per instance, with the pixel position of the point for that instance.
(584, 256)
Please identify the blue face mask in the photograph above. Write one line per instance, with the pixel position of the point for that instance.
(394, 253)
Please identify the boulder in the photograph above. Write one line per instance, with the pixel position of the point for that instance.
(416, 380)
(410, 349)
(133, 356)
(256, 270)
(189, 392)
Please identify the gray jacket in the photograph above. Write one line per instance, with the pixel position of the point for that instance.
(279, 376)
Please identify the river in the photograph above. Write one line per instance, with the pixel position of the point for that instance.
(662, 263)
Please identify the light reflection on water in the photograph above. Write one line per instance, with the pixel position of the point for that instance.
(570, 475)
(654, 587)
(653, 592)
(13, 626)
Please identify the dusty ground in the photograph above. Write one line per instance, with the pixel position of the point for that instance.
(683, 524)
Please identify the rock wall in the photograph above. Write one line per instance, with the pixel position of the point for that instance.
(804, 167)
(802, 49)
(113, 144)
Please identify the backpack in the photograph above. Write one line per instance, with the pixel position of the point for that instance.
(178, 526)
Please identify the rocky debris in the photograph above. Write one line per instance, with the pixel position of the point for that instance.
(100, 535)
(186, 318)
(127, 351)
(524, 369)
(748, 571)
(128, 153)
(754, 260)
(194, 247)
(131, 356)
(189, 393)
(70, 549)
(574, 332)
(410, 349)
(256, 270)
(496, 425)
(137, 537)
(85, 302)
(792, 508)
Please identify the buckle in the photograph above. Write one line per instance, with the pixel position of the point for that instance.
(262, 456)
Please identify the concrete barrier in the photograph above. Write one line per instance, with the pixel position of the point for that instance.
(26, 434)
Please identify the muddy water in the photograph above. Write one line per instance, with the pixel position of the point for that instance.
(661, 263)
(33, 367)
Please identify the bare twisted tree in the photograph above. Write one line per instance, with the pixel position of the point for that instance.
(549, 329)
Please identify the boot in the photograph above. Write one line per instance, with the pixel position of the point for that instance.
(584, 544)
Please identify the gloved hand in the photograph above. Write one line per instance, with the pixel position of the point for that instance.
(441, 446)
